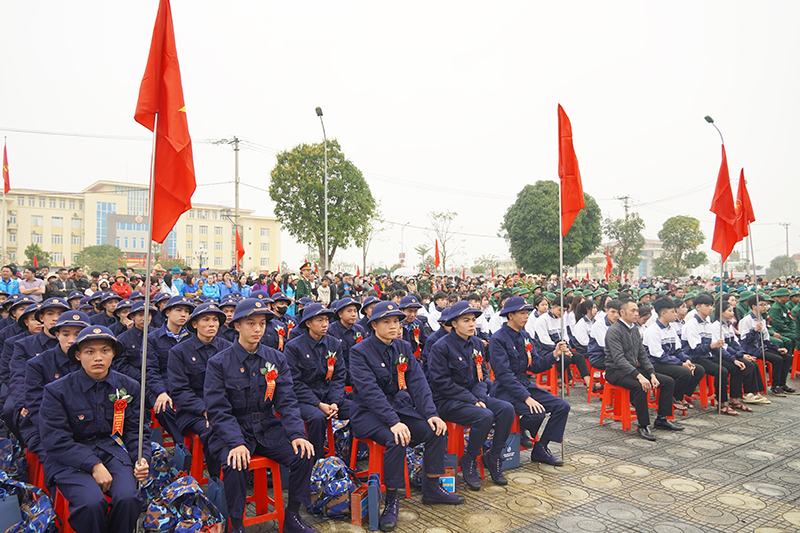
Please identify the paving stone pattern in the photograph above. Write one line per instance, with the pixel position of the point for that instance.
(723, 474)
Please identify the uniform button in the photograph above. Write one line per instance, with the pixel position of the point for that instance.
(254, 373)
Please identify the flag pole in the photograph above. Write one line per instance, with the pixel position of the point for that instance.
(721, 335)
(5, 219)
(755, 291)
(561, 286)
(148, 266)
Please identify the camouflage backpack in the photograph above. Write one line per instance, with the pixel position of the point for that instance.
(331, 485)
(181, 508)
(12, 458)
(34, 504)
(162, 472)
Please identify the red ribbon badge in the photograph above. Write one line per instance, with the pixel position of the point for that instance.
(281, 334)
(478, 360)
(119, 416)
(290, 326)
(401, 375)
(271, 376)
(416, 335)
(331, 363)
(528, 350)
(359, 338)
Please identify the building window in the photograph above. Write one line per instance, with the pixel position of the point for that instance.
(21, 200)
(265, 232)
(118, 242)
(42, 202)
(62, 204)
(265, 247)
(126, 242)
(203, 230)
(204, 245)
(134, 242)
(12, 236)
(77, 223)
(141, 241)
(52, 203)
(214, 213)
(188, 245)
(76, 240)
(31, 201)
(189, 229)
(218, 246)
(72, 205)
(12, 256)
(217, 261)
(265, 261)
(57, 258)
(57, 222)
(57, 238)
(12, 217)
(74, 258)
(36, 238)
(191, 213)
(36, 220)
(103, 209)
(217, 230)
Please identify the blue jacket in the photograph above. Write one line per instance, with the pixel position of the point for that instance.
(7, 343)
(376, 393)
(308, 362)
(224, 291)
(510, 364)
(24, 350)
(271, 337)
(77, 416)
(237, 409)
(349, 337)
(130, 361)
(102, 319)
(211, 291)
(186, 372)
(430, 342)
(453, 370)
(11, 286)
(596, 352)
(159, 343)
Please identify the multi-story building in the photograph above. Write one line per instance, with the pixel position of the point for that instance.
(595, 263)
(115, 213)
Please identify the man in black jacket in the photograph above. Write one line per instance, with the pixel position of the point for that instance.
(628, 366)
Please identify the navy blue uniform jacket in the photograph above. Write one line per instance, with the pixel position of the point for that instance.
(234, 397)
(130, 361)
(24, 350)
(453, 372)
(408, 335)
(102, 319)
(307, 359)
(347, 336)
(271, 337)
(377, 396)
(76, 416)
(8, 350)
(187, 376)
(158, 346)
(510, 364)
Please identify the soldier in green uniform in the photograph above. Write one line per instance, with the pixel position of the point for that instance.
(425, 284)
(781, 319)
(303, 288)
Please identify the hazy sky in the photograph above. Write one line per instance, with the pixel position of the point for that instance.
(442, 105)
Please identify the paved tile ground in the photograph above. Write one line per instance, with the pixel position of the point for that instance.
(722, 474)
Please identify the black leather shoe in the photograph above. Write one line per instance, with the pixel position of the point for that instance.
(663, 423)
(525, 441)
(646, 434)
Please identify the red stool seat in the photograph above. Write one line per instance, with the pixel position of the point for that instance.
(61, 508)
(259, 466)
(795, 363)
(616, 405)
(767, 380)
(601, 378)
(192, 442)
(36, 471)
(375, 462)
(548, 380)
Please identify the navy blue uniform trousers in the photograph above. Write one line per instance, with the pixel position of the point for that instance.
(317, 424)
(480, 421)
(199, 427)
(558, 409)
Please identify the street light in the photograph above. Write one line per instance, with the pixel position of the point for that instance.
(325, 184)
(402, 246)
(711, 121)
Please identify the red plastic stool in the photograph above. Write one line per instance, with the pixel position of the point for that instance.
(601, 378)
(192, 442)
(767, 383)
(455, 444)
(61, 508)
(154, 424)
(36, 471)
(652, 402)
(548, 380)
(259, 466)
(795, 363)
(375, 462)
(616, 405)
(331, 445)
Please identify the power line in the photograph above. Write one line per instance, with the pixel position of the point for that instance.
(90, 135)
(453, 232)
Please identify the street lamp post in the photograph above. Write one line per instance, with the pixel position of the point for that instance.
(325, 184)
(402, 246)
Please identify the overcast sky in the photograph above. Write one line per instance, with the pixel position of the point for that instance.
(442, 105)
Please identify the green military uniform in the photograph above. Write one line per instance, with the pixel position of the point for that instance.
(742, 309)
(425, 285)
(303, 285)
(781, 320)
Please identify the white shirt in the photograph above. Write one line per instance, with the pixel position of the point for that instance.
(695, 330)
(581, 331)
(497, 322)
(433, 316)
(748, 324)
(656, 336)
(599, 330)
(546, 327)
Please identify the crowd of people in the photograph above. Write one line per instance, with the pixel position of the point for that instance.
(259, 365)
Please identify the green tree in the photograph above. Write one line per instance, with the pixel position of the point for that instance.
(487, 261)
(100, 257)
(423, 250)
(445, 233)
(42, 257)
(530, 226)
(681, 236)
(627, 242)
(297, 188)
(782, 265)
(169, 264)
(478, 269)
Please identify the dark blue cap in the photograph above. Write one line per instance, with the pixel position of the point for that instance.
(460, 309)
(71, 318)
(280, 297)
(338, 305)
(249, 307)
(369, 300)
(135, 295)
(208, 308)
(124, 304)
(176, 301)
(94, 333)
(514, 304)
(138, 307)
(409, 302)
(385, 309)
(53, 303)
(75, 294)
(32, 308)
(314, 309)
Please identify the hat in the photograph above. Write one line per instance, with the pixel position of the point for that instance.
(386, 309)
(72, 318)
(75, 294)
(52, 303)
(176, 301)
(312, 310)
(161, 296)
(250, 307)
(280, 297)
(96, 295)
(305, 300)
(158, 268)
(32, 308)
(124, 304)
(410, 302)
(514, 304)
(209, 308)
(550, 296)
(138, 307)
(261, 295)
(783, 291)
(305, 265)
(123, 276)
(460, 309)
(135, 295)
(599, 292)
(444, 316)
(369, 300)
(338, 305)
(110, 295)
(20, 300)
(228, 301)
(93, 333)
(524, 292)
(10, 300)
(175, 270)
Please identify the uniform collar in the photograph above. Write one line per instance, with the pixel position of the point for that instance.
(660, 325)
(86, 382)
(241, 354)
(458, 340)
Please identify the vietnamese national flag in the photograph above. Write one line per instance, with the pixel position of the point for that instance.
(609, 266)
(436, 260)
(587, 274)
(6, 180)
(744, 209)
(35, 261)
(463, 273)
(492, 271)
(568, 173)
(239, 249)
(161, 96)
(725, 234)
(358, 270)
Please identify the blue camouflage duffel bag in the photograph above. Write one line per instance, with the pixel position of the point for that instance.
(182, 508)
(331, 486)
(35, 507)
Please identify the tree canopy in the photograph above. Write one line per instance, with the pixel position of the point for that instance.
(627, 242)
(782, 265)
(100, 257)
(530, 226)
(681, 236)
(297, 188)
(42, 258)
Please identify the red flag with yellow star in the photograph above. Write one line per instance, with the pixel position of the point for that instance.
(161, 97)
(6, 181)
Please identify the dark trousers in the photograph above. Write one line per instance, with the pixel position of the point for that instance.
(480, 421)
(781, 365)
(712, 367)
(639, 396)
(317, 425)
(555, 406)
(598, 364)
(685, 381)
(750, 381)
(394, 457)
(167, 420)
(577, 359)
(199, 427)
(89, 511)
(11, 416)
(235, 481)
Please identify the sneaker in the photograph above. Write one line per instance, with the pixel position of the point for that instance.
(778, 391)
(433, 492)
(540, 454)
(755, 398)
(469, 468)
(494, 464)
(788, 390)
(292, 523)
(389, 515)
(525, 441)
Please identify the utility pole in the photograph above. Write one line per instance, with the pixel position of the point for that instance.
(625, 203)
(786, 226)
(235, 143)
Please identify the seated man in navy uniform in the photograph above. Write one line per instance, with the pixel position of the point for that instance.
(459, 377)
(393, 406)
(366, 310)
(91, 420)
(413, 330)
(228, 306)
(45, 368)
(121, 313)
(513, 355)
(186, 372)
(301, 305)
(108, 303)
(29, 326)
(247, 386)
(318, 372)
(130, 361)
(345, 328)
